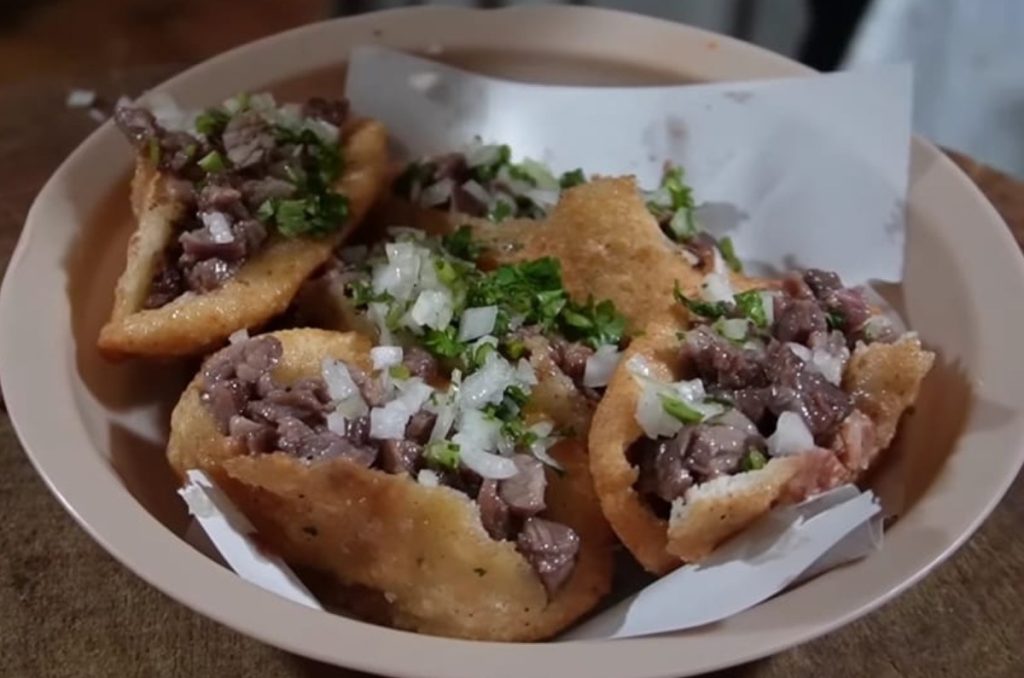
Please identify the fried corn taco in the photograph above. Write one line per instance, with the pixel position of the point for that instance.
(441, 463)
(235, 206)
(769, 396)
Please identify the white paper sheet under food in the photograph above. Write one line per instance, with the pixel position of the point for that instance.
(799, 172)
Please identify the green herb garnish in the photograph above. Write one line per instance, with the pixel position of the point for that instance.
(443, 343)
(751, 305)
(212, 162)
(573, 178)
(460, 244)
(754, 460)
(728, 251)
(315, 214)
(399, 372)
(705, 309)
(835, 319)
(443, 454)
(212, 121)
(680, 410)
(484, 174)
(502, 210)
(594, 324)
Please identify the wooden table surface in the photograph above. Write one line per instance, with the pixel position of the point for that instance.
(68, 609)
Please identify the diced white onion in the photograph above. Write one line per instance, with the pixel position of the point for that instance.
(336, 423)
(719, 266)
(601, 365)
(487, 384)
(428, 478)
(352, 407)
(389, 422)
(515, 186)
(543, 197)
(324, 130)
(219, 226)
(689, 256)
(377, 313)
(399, 274)
(541, 174)
(661, 197)
(239, 336)
(830, 365)
(651, 414)
(433, 308)
(679, 225)
(384, 357)
(478, 154)
(263, 102)
(791, 436)
(477, 192)
(80, 98)
(437, 193)
(477, 431)
(690, 391)
(716, 287)
(525, 374)
(339, 381)
(544, 442)
(487, 465)
(768, 303)
(414, 393)
(800, 351)
(733, 328)
(477, 322)
(445, 412)
(166, 110)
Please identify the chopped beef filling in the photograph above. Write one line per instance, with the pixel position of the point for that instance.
(228, 179)
(793, 366)
(248, 405)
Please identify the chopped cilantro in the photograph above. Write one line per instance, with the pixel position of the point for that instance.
(520, 174)
(594, 323)
(705, 309)
(515, 348)
(751, 305)
(443, 343)
(315, 214)
(754, 460)
(835, 319)
(363, 294)
(573, 178)
(728, 251)
(212, 121)
(212, 162)
(399, 372)
(443, 454)
(460, 244)
(446, 273)
(680, 410)
(501, 211)
(479, 356)
(677, 213)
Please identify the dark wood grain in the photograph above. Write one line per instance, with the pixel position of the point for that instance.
(67, 609)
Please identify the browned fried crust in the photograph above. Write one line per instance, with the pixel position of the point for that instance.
(885, 379)
(262, 288)
(424, 548)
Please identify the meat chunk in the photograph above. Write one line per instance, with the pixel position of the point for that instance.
(137, 124)
(821, 404)
(703, 247)
(420, 363)
(334, 111)
(247, 139)
(199, 245)
(208, 275)
(419, 427)
(225, 398)
(662, 463)
(797, 319)
(524, 492)
(259, 438)
(167, 285)
(821, 283)
(719, 362)
(571, 358)
(551, 549)
(400, 456)
(494, 513)
(258, 191)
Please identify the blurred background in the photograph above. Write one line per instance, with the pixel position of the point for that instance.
(968, 56)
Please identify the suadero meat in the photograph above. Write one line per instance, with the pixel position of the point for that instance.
(248, 140)
(494, 512)
(524, 492)
(551, 549)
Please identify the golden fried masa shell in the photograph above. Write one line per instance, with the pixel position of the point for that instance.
(884, 379)
(424, 548)
(195, 442)
(262, 288)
